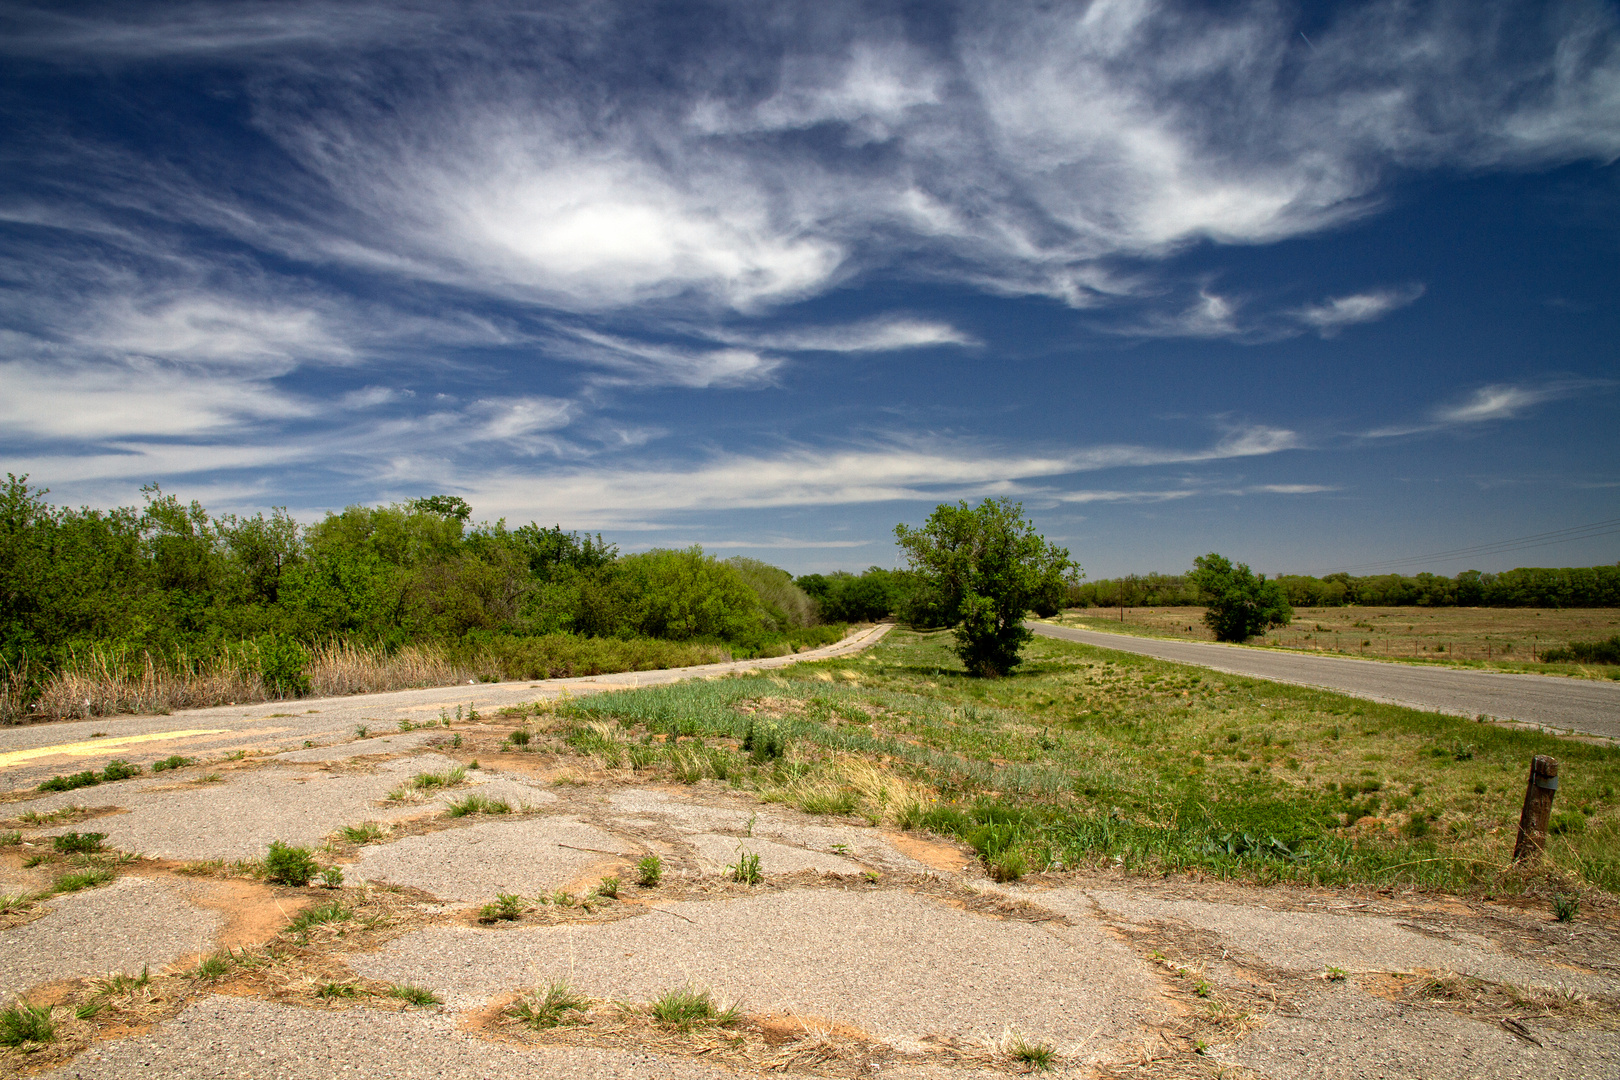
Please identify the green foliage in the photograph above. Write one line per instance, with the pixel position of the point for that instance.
(609, 887)
(173, 761)
(1238, 603)
(649, 871)
(288, 865)
(414, 995)
(507, 906)
(23, 1022)
(82, 879)
(783, 603)
(78, 843)
(477, 804)
(318, 915)
(746, 869)
(1566, 907)
(118, 769)
(88, 778)
(1586, 652)
(989, 568)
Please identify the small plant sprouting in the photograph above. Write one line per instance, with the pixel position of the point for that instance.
(609, 887)
(287, 865)
(78, 843)
(26, 1023)
(10, 839)
(1335, 974)
(360, 732)
(681, 1009)
(414, 995)
(1037, 1056)
(455, 740)
(507, 906)
(1566, 907)
(519, 738)
(173, 761)
(213, 967)
(478, 804)
(649, 872)
(332, 877)
(550, 1007)
(84, 879)
(746, 868)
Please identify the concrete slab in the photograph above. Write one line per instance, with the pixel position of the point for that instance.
(230, 1037)
(895, 964)
(1312, 941)
(716, 852)
(136, 921)
(472, 863)
(1344, 1034)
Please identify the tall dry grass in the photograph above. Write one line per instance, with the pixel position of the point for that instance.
(105, 682)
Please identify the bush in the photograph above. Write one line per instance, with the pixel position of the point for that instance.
(281, 663)
(1586, 652)
(289, 865)
(118, 769)
(88, 778)
(78, 843)
(1239, 603)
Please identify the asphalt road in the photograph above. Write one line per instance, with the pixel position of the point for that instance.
(1582, 705)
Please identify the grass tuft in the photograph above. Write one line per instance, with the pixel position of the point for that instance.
(414, 995)
(684, 1008)
(329, 912)
(477, 804)
(24, 1023)
(550, 1007)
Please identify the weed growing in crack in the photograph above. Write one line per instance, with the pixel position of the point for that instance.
(682, 1009)
(331, 991)
(478, 804)
(78, 843)
(332, 911)
(332, 877)
(519, 738)
(289, 865)
(26, 1023)
(88, 778)
(550, 1007)
(119, 769)
(414, 995)
(360, 732)
(213, 967)
(649, 872)
(609, 887)
(1335, 974)
(1036, 1056)
(363, 833)
(446, 779)
(507, 906)
(746, 868)
(10, 839)
(1566, 907)
(83, 879)
(173, 761)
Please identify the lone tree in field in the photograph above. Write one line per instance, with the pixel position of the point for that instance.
(1240, 604)
(989, 567)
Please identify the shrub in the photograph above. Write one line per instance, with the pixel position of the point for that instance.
(650, 871)
(173, 761)
(1586, 652)
(118, 769)
(289, 865)
(88, 778)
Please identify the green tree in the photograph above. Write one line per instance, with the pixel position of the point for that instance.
(988, 567)
(1238, 602)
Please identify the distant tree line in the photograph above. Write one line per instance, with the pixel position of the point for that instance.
(169, 577)
(1567, 587)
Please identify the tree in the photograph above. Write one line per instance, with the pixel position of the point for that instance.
(1239, 603)
(988, 567)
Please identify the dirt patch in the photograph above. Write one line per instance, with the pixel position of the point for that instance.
(254, 913)
(932, 853)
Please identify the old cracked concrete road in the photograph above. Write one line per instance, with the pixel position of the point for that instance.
(1560, 704)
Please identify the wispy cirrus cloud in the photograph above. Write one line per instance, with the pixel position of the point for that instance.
(1332, 315)
(1497, 401)
(884, 334)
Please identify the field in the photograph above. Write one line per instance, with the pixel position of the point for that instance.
(1088, 757)
(1505, 639)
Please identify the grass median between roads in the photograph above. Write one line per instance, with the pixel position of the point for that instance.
(1088, 756)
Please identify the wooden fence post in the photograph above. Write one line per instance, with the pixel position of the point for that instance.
(1538, 800)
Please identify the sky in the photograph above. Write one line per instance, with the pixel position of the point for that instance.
(1319, 287)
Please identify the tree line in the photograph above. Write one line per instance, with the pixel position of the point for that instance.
(169, 577)
(1566, 587)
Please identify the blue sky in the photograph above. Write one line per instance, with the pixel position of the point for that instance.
(1318, 287)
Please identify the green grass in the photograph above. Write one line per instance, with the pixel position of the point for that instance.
(289, 865)
(1091, 757)
(687, 1007)
(173, 761)
(82, 879)
(414, 995)
(649, 871)
(507, 906)
(23, 1023)
(364, 833)
(550, 1007)
(477, 804)
(78, 843)
(332, 911)
(433, 781)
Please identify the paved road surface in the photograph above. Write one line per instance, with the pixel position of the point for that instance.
(1583, 705)
(32, 752)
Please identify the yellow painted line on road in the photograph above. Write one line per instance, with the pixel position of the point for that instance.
(90, 747)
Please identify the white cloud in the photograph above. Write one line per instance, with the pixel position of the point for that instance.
(1497, 402)
(621, 361)
(1328, 317)
(887, 334)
